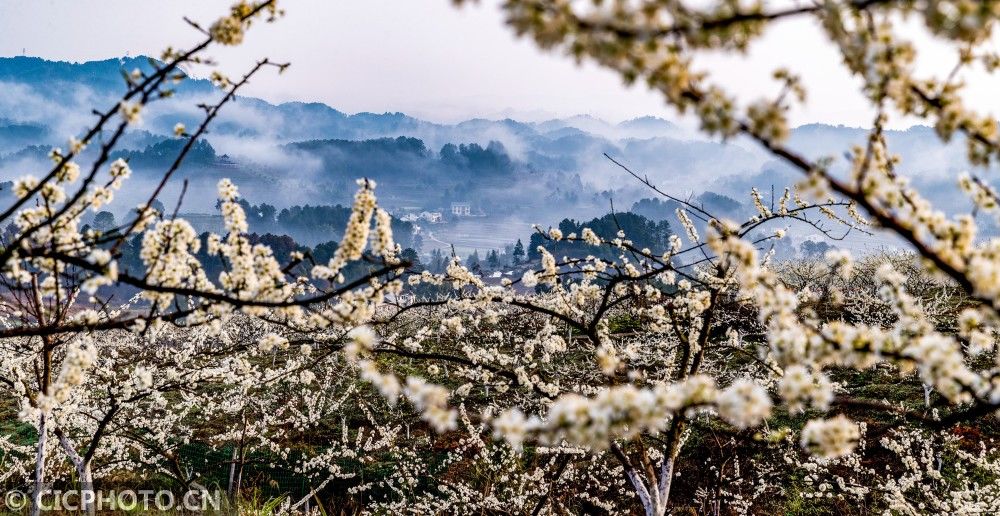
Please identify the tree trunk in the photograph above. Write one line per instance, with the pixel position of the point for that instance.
(653, 489)
(666, 479)
(36, 497)
(87, 493)
(239, 470)
(86, 478)
(232, 473)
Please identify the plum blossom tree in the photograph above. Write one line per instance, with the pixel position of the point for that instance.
(661, 331)
(590, 374)
(76, 366)
(659, 43)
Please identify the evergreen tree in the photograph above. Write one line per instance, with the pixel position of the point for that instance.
(437, 262)
(104, 221)
(472, 262)
(518, 252)
(410, 255)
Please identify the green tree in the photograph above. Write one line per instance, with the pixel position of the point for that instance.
(518, 252)
(472, 262)
(104, 221)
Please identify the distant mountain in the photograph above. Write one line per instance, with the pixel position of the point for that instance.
(297, 152)
(922, 152)
(52, 78)
(649, 127)
(584, 123)
(15, 135)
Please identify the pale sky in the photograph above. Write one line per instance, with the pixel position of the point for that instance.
(429, 59)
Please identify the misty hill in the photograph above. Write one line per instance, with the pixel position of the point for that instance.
(54, 78)
(718, 205)
(643, 232)
(15, 135)
(298, 153)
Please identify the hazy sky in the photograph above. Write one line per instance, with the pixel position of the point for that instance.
(427, 58)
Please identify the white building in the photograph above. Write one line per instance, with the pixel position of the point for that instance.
(433, 217)
(461, 209)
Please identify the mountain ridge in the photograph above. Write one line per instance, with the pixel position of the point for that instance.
(107, 71)
(308, 151)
